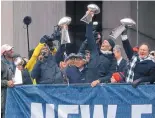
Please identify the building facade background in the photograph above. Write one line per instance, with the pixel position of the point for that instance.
(46, 14)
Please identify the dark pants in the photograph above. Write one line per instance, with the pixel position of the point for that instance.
(2, 115)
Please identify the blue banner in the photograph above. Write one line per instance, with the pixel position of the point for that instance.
(80, 101)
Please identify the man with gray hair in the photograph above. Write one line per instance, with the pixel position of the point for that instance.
(141, 67)
(121, 63)
(118, 76)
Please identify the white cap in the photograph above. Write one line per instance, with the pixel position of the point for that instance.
(95, 23)
(5, 47)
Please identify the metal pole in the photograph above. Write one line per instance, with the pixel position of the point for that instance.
(137, 24)
(28, 39)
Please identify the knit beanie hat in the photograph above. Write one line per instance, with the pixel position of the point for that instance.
(112, 43)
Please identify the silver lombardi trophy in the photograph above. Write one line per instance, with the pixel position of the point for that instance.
(63, 23)
(87, 18)
(124, 22)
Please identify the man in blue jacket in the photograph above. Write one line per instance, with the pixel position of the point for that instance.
(76, 72)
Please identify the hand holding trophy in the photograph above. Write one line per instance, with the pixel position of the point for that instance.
(126, 22)
(63, 23)
(92, 9)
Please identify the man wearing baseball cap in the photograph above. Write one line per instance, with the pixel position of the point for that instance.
(7, 71)
(5, 48)
(76, 73)
(7, 54)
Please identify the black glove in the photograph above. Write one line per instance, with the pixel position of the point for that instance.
(137, 82)
(45, 38)
(57, 34)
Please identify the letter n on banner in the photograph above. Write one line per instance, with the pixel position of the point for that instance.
(37, 110)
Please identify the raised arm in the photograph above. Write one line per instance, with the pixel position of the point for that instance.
(83, 47)
(127, 46)
(90, 39)
(59, 56)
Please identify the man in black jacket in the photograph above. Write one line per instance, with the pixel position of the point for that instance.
(101, 66)
(141, 67)
(46, 70)
(121, 62)
(121, 65)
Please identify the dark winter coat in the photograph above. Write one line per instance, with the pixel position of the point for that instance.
(26, 77)
(122, 66)
(74, 75)
(101, 66)
(144, 69)
(10, 65)
(47, 72)
(5, 77)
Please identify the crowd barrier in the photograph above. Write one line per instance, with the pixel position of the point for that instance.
(81, 101)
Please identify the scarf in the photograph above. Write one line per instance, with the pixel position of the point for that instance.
(131, 66)
(106, 52)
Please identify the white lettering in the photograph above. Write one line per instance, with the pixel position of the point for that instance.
(64, 110)
(36, 110)
(98, 111)
(137, 110)
(112, 111)
(50, 111)
(85, 111)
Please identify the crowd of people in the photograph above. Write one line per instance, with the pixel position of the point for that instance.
(94, 63)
